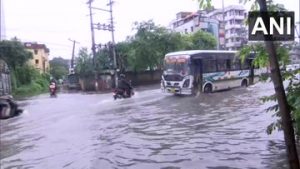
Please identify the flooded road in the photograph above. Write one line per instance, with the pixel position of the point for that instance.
(152, 130)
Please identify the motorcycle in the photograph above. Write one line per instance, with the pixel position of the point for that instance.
(8, 107)
(52, 89)
(122, 94)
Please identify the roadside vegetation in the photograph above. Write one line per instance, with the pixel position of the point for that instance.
(144, 50)
(26, 80)
(59, 67)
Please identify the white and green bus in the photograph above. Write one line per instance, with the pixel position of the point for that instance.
(186, 72)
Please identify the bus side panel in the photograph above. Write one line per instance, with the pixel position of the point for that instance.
(225, 80)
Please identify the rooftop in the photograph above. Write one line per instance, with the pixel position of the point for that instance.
(192, 52)
(34, 45)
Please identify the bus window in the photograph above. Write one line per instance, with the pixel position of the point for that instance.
(228, 64)
(246, 65)
(209, 66)
(222, 65)
(236, 64)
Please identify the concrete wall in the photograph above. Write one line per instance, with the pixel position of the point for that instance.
(144, 77)
(105, 81)
(5, 79)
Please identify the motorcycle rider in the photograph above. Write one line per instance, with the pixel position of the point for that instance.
(124, 85)
(53, 87)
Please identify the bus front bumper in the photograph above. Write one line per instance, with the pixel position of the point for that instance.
(183, 91)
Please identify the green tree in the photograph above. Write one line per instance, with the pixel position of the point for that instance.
(144, 53)
(202, 40)
(146, 49)
(14, 53)
(122, 50)
(59, 67)
(104, 58)
(84, 63)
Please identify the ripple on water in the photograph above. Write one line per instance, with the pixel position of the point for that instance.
(151, 130)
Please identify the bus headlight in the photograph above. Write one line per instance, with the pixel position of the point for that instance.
(186, 83)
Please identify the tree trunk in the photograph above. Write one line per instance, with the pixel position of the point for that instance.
(287, 124)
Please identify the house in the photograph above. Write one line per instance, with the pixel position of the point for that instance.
(40, 58)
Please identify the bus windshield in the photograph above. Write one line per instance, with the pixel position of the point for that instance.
(176, 66)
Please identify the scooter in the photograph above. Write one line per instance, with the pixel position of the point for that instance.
(122, 94)
(8, 107)
(52, 91)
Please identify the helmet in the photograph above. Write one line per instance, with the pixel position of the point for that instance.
(122, 75)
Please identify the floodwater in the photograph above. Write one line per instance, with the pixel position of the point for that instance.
(152, 130)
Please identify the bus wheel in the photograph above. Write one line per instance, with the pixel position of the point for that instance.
(208, 88)
(244, 83)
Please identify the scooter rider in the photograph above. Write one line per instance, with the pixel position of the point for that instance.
(53, 87)
(124, 85)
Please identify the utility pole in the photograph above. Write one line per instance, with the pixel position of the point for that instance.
(109, 27)
(299, 24)
(73, 53)
(113, 43)
(1, 20)
(93, 43)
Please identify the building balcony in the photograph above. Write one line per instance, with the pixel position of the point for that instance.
(235, 17)
(233, 44)
(231, 35)
(230, 26)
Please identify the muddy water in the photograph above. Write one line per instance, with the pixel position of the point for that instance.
(151, 130)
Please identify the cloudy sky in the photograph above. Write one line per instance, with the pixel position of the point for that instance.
(54, 22)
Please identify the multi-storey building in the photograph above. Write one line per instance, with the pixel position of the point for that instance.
(227, 25)
(189, 22)
(40, 58)
(233, 18)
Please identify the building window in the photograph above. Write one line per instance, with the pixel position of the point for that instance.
(36, 61)
(192, 29)
(185, 31)
(35, 51)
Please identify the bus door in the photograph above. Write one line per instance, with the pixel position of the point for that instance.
(251, 74)
(198, 74)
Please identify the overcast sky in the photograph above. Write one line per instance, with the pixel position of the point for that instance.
(53, 22)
